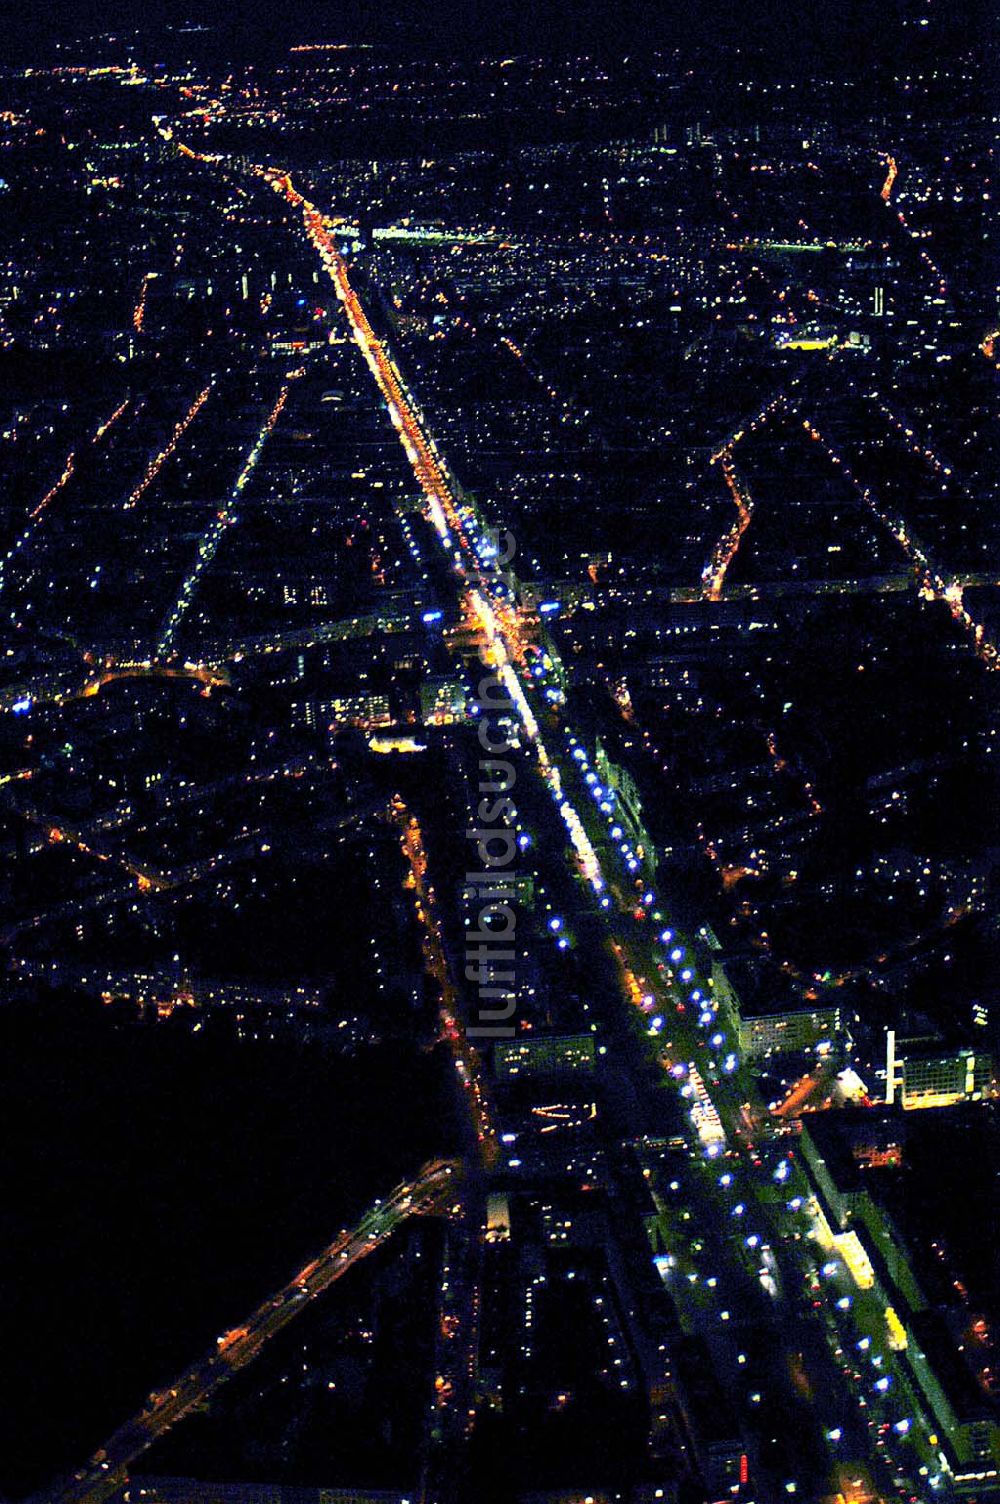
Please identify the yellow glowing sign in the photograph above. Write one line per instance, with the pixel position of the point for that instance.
(810, 342)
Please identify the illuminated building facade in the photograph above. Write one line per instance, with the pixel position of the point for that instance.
(919, 1075)
(543, 1055)
(789, 1031)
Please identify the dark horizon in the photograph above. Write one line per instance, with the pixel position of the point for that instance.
(847, 34)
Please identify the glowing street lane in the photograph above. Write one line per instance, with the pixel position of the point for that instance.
(103, 1476)
(209, 545)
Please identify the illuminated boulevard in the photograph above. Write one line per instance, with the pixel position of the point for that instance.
(500, 616)
(812, 1293)
(749, 1264)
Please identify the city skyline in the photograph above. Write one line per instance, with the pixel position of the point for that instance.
(499, 791)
